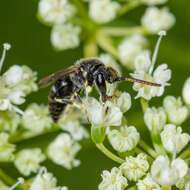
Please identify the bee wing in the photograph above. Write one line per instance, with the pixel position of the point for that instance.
(55, 76)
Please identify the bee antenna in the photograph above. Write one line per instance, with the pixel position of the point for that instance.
(139, 81)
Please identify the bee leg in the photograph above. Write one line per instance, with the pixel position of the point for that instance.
(81, 105)
(64, 101)
(101, 85)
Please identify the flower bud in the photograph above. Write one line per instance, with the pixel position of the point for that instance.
(155, 119)
(186, 91)
(98, 134)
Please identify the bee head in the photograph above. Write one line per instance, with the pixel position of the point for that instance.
(111, 75)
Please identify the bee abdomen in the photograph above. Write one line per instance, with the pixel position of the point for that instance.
(55, 109)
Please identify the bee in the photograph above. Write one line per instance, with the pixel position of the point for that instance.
(69, 83)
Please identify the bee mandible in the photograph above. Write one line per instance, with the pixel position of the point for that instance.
(70, 82)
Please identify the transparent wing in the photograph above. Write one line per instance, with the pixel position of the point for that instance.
(55, 76)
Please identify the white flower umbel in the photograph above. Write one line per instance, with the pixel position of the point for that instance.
(28, 160)
(55, 11)
(65, 36)
(166, 173)
(6, 149)
(186, 91)
(155, 19)
(147, 184)
(173, 139)
(130, 47)
(144, 67)
(36, 118)
(103, 11)
(124, 139)
(154, 2)
(113, 180)
(9, 121)
(177, 113)
(63, 150)
(135, 167)
(100, 114)
(44, 181)
(155, 118)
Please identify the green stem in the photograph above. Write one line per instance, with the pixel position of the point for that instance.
(105, 42)
(166, 188)
(128, 7)
(187, 160)
(122, 31)
(185, 154)
(134, 187)
(148, 149)
(109, 154)
(6, 178)
(90, 48)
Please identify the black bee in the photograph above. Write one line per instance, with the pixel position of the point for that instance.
(71, 81)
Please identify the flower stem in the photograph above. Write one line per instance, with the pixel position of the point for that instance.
(105, 42)
(122, 31)
(7, 179)
(148, 149)
(130, 5)
(90, 48)
(166, 188)
(109, 154)
(185, 154)
(134, 187)
(187, 160)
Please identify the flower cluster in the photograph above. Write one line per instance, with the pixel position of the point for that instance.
(17, 125)
(76, 21)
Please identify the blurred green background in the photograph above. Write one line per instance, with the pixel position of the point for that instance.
(31, 46)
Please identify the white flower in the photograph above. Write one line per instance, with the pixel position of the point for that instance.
(122, 100)
(36, 118)
(17, 96)
(166, 173)
(184, 181)
(65, 36)
(113, 180)
(135, 167)
(147, 184)
(107, 114)
(186, 91)
(63, 150)
(154, 2)
(177, 113)
(13, 76)
(9, 121)
(124, 139)
(102, 11)
(130, 47)
(6, 149)
(55, 11)
(173, 139)
(28, 83)
(77, 131)
(45, 181)
(155, 19)
(143, 71)
(155, 119)
(28, 160)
